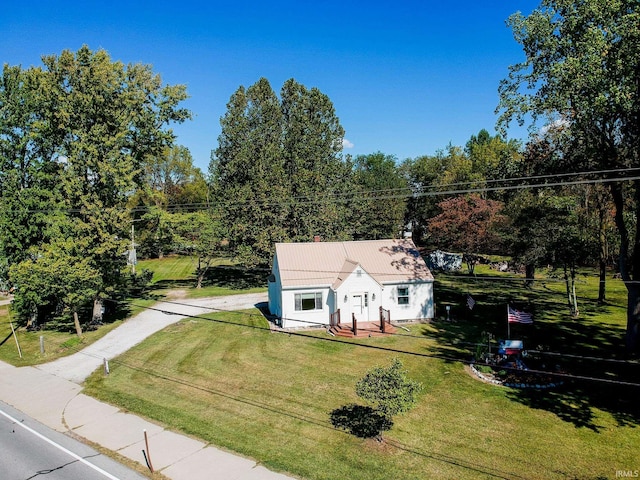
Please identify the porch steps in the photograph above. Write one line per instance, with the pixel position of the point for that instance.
(365, 329)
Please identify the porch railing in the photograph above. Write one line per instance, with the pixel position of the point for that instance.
(385, 318)
(334, 318)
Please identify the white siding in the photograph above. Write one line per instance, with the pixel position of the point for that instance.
(420, 301)
(304, 318)
(361, 285)
(275, 288)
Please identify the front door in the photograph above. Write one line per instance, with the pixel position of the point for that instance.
(357, 305)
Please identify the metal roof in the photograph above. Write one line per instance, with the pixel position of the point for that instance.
(323, 263)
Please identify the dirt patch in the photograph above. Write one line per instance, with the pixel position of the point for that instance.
(175, 294)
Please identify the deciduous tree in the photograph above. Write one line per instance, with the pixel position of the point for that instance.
(468, 224)
(582, 69)
(389, 389)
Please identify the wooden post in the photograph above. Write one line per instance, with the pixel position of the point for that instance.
(16, 339)
(105, 363)
(41, 345)
(146, 442)
(355, 325)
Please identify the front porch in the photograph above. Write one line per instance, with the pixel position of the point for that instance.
(365, 329)
(359, 329)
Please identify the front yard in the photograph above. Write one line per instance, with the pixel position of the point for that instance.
(230, 381)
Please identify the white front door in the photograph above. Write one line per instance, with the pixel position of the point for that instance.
(357, 305)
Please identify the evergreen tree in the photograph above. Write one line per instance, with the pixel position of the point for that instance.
(248, 173)
(277, 172)
(318, 179)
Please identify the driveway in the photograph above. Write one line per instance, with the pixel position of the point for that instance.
(79, 366)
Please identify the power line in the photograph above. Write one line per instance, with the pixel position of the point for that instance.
(389, 194)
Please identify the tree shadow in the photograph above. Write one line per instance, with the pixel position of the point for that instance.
(361, 421)
(560, 344)
(224, 276)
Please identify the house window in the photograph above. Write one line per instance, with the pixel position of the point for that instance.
(308, 301)
(403, 295)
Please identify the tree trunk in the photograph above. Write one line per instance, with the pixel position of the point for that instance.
(602, 284)
(604, 254)
(98, 310)
(568, 288)
(530, 273)
(625, 264)
(76, 323)
(633, 318)
(574, 307)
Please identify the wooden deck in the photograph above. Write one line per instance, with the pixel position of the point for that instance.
(365, 330)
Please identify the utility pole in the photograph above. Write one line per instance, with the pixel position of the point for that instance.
(133, 259)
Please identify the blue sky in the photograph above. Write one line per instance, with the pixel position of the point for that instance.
(406, 78)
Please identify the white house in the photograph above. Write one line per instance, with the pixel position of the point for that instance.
(311, 281)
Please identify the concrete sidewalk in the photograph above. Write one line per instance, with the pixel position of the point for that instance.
(45, 394)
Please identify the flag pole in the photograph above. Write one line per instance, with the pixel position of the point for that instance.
(508, 324)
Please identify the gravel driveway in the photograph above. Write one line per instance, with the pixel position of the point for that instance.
(78, 367)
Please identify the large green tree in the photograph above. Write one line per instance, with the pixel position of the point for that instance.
(378, 210)
(276, 172)
(582, 71)
(92, 123)
(316, 177)
(248, 173)
(28, 171)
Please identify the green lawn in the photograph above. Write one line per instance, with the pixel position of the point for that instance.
(56, 343)
(269, 395)
(175, 274)
(223, 277)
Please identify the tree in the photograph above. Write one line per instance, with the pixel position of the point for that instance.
(172, 179)
(199, 233)
(582, 70)
(28, 168)
(468, 224)
(97, 122)
(248, 173)
(381, 191)
(317, 178)
(389, 389)
(277, 171)
(56, 278)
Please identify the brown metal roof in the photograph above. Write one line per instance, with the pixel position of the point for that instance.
(323, 263)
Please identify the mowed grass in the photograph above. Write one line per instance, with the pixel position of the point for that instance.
(171, 275)
(230, 381)
(223, 277)
(56, 343)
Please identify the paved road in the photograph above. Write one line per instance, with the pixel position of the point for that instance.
(79, 366)
(30, 450)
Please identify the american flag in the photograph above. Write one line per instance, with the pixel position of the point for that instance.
(516, 316)
(470, 302)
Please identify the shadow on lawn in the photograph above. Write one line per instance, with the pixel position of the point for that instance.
(223, 276)
(553, 330)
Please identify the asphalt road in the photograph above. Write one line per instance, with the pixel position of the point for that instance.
(32, 451)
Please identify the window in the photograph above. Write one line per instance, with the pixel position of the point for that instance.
(308, 301)
(403, 295)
